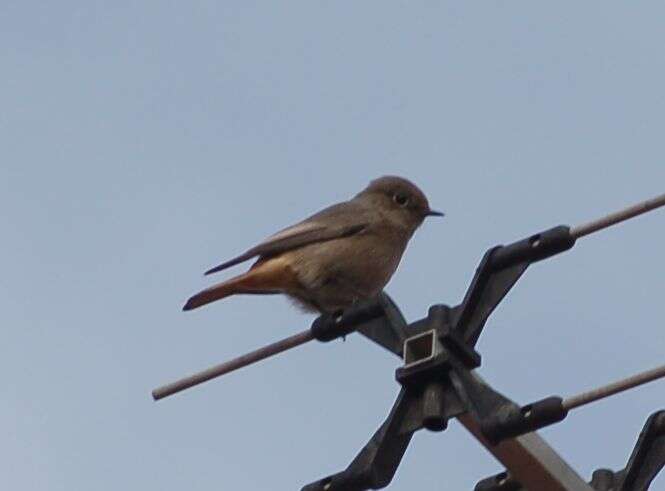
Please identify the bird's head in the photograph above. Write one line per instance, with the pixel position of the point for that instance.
(400, 199)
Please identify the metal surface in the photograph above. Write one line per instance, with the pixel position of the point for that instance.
(614, 388)
(619, 216)
(530, 461)
(234, 364)
(646, 461)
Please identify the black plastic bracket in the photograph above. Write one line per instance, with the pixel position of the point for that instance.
(648, 457)
(500, 482)
(376, 464)
(520, 420)
(646, 461)
(437, 377)
(439, 354)
(498, 271)
(327, 327)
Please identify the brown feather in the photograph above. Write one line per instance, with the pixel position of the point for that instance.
(273, 275)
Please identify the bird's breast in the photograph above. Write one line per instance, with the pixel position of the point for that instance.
(364, 262)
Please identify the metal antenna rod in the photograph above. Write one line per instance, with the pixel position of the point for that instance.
(618, 217)
(614, 388)
(231, 365)
(305, 336)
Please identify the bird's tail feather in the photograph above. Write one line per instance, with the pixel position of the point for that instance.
(215, 292)
(273, 276)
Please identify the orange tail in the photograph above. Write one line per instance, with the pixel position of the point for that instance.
(271, 276)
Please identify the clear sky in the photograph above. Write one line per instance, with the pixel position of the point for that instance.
(143, 142)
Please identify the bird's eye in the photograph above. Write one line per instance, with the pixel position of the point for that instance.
(401, 199)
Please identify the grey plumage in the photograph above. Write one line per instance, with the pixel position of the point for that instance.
(342, 254)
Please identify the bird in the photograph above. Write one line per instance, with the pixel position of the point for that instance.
(342, 255)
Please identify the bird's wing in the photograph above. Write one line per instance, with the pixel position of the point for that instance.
(341, 220)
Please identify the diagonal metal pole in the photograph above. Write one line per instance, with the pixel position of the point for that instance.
(231, 365)
(530, 461)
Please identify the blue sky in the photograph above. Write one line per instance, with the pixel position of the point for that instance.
(145, 142)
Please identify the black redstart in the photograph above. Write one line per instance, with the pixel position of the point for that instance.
(342, 254)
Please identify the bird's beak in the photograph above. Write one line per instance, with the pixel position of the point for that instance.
(434, 213)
